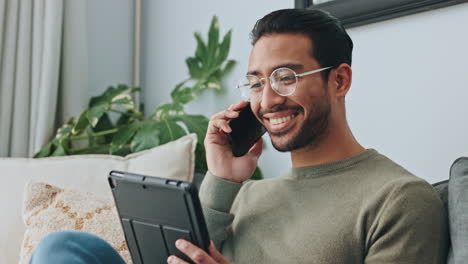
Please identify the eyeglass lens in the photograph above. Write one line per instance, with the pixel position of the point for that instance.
(283, 81)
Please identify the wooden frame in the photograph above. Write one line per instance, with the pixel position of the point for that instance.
(360, 12)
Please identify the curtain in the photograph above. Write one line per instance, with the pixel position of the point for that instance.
(32, 51)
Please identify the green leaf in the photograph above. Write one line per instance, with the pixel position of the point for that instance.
(194, 67)
(213, 39)
(175, 93)
(97, 149)
(257, 175)
(224, 47)
(125, 101)
(169, 131)
(214, 85)
(124, 119)
(64, 131)
(135, 89)
(44, 152)
(200, 158)
(184, 96)
(59, 151)
(213, 36)
(96, 112)
(228, 68)
(201, 51)
(104, 123)
(110, 94)
(165, 110)
(123, 136)
(197, 124)
(81, 124)
(147, 137)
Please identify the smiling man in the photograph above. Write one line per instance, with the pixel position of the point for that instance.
(341, 202)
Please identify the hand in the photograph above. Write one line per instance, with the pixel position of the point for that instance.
(197, 254)
(221, 162)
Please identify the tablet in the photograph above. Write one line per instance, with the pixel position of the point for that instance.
(154, 213)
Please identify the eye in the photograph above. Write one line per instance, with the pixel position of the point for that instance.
(289, 79)
(255, 85)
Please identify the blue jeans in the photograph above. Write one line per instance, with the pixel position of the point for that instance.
(74, 247)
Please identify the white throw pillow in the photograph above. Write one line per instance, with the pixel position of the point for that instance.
(47, 208)
(85, 173)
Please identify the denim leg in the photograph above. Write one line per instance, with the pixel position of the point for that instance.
(74, 247)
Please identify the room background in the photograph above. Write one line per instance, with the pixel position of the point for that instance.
(408, 98)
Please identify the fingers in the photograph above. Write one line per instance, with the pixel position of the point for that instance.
(175, 260)
(215, 254)
(193, 252)
(216, 125)
(220, 121)
(238, 106)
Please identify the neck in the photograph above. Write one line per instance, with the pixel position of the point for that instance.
(338, 144)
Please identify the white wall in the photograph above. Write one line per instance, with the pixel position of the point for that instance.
(110, 44)
(410, 81)
(410, 90)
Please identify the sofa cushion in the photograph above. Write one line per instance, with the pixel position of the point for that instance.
(458, 210)
(442, 189)
(82, 173)
(47, 208)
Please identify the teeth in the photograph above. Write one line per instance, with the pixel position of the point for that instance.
(275, 121)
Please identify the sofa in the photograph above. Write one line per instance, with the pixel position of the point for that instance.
(84, 175)
(454, 194)
(88, 174)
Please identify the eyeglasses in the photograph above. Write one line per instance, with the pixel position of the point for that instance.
(282, 80)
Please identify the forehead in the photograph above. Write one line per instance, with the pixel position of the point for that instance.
(273, 50)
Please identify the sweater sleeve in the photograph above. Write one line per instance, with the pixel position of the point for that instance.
(410, 226)
(217, 196)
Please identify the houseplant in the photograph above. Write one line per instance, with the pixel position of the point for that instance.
(113, 125)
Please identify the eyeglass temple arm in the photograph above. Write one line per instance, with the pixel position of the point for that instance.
(314, 71)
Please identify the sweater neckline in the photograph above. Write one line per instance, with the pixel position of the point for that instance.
(327, 168)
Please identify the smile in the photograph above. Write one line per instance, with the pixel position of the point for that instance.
(276, 121)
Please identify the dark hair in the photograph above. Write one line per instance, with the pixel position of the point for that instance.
(331, 44)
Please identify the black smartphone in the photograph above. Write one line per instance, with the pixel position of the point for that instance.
(246, 130)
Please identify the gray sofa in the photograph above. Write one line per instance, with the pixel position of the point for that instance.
(454, 194)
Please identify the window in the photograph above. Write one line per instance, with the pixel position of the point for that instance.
(359, 12)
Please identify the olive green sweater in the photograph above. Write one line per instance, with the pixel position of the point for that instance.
(365, 209)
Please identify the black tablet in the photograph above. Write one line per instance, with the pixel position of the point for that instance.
(154, 213)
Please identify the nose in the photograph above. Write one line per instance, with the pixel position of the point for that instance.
(269, 96)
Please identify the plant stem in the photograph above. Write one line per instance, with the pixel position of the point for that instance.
(135, 114)
(98, 134)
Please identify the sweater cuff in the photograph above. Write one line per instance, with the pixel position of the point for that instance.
(217, 193)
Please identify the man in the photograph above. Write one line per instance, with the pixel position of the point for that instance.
(340, 203)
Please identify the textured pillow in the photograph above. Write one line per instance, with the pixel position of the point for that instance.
(86, 173)
(458, 210)
(47, 208)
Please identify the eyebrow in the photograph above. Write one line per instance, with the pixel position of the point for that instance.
(292, 66)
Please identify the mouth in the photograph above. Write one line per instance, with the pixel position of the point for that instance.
(277, 121)
(280, 121)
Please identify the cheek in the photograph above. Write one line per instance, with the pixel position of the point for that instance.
(255, 108)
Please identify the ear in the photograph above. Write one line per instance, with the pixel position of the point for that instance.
(340, 79)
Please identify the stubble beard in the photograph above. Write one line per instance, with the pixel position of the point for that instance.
(312, 132)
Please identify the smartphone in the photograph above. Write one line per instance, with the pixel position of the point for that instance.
(246, 130)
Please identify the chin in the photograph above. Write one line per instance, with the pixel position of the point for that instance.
(284, 143)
